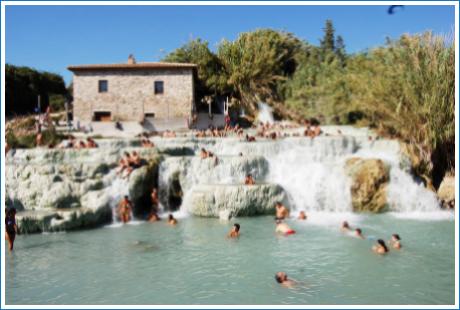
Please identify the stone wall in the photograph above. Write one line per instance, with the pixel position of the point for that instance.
(131, 94)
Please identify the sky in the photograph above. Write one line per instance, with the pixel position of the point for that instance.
(50, 38)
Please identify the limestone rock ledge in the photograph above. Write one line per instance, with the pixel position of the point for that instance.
(234, 200)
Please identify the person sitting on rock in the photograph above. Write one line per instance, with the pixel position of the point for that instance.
(204, 154)
(359, 233)
(302, 216)
(80, 145)
(282, 278)
(171, 220)
(345, 227)
(135, 160)
(283, 228)
(281, 211)
(395, 241)
(146, 143)
(380, 248)
(249, 180)
(235, 232)
(90, 143)
(250, 138)
(124, 209)
(124, 165)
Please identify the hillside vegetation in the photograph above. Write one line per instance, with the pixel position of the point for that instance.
(404, 89)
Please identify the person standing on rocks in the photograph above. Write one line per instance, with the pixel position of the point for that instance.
(281, 211)
(11, 227)
(124, 209)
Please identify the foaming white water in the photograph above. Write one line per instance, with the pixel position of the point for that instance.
(312, 185)
(265, 113)
(332, 220)
(311, 171)
(116, 189)
(405, 195)
(425, 215)
(120, 224)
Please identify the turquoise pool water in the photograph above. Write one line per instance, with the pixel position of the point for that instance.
(193, 263)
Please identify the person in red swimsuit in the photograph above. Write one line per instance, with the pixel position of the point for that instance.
(284, 228)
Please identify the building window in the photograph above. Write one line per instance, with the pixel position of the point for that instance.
(103, 86)
(158, 87)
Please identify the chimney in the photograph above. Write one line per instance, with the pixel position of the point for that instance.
(131, 60)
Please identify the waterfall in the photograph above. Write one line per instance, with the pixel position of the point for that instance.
(116, 189)
(311, 171)
(265, 113)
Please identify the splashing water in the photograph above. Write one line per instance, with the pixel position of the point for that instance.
(116, 189)
(265, 113)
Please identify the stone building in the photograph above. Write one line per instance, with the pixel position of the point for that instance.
(133, 92)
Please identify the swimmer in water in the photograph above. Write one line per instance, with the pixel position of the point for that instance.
(302, 216)
(172, 220)
(282, 278)
(359, 233)
(396, 241)
(281, 211)
(283, 228)
(345, 227)
(380, 247)
(235, 232)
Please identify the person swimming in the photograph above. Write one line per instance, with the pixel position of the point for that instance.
(153, 217)
(380, 248)
(359, 233)
(302, 216)
(11, 228)
(283, 228)
(235, 232)
(281, 211)
(396, 241)
(124, 209)
(282, 278)
(345, 226)
(171, 220)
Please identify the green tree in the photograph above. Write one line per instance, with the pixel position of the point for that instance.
(340, 50)
(209, 80)
(327, 43)
(257, 63)
(23, 85)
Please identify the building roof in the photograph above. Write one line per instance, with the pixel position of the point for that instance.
(135, 66)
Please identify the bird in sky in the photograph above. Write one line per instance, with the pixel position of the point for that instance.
(393, 8)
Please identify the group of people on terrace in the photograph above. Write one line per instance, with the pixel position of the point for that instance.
(72, 143)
